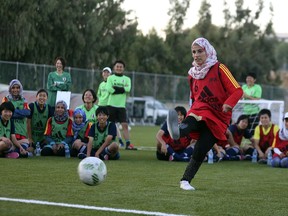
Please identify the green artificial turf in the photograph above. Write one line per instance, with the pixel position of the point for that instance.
(138, 181)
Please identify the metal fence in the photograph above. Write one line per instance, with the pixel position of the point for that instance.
(169, 89)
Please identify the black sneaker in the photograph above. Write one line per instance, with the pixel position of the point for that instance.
(248, 157)
(121, 144)
(172, 124)
(235, 158)
(262, 161)
(130, 147)
(81, 156)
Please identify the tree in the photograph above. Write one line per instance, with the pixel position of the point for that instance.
(205, 16)
(93, 34)
(204, 27)
(80, 31)
(247, 48)
(177, 12)
(176, 40)
(282, 55)
(16, 28)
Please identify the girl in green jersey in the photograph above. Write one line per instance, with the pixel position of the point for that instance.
(19, 117)
(58, 80)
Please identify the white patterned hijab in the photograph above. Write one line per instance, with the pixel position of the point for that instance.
(283, 132)
(200, 71)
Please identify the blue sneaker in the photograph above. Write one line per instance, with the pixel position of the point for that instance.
(172, 124)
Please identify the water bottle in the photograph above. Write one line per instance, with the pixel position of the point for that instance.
(38, 149)
(254, 156)
(269, 158)
(67, 151)
(210, 157)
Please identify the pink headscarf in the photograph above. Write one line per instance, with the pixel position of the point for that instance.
(200, 71)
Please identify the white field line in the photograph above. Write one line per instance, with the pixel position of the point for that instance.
(39, 202)
(146, 148)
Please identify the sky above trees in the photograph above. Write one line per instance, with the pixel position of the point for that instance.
(153, 13)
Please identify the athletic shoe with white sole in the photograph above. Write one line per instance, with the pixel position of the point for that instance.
(172, 124)
(130, 147)
(185, 185)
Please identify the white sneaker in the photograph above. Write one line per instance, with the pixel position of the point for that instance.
(185, 185)
(172, 124)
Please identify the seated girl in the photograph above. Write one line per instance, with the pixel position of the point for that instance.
(81, 127)
(58, 132)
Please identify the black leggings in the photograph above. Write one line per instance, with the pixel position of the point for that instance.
(206, 138)
(203, 145)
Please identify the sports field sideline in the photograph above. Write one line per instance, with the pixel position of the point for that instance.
(139, 184)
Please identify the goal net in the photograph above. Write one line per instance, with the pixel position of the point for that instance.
(276, 107)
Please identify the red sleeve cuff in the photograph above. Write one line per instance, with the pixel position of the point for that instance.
(235, 97)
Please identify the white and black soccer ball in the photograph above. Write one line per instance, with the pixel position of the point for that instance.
(92, 171)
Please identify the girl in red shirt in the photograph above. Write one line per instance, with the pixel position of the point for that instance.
(280, 146)
(214, 92)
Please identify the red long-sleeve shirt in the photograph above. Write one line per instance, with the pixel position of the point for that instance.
(209, 94)
(282, 145)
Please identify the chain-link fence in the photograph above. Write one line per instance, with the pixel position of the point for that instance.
(166, 88)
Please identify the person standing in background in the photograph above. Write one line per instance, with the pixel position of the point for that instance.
(103, 96)
(118, 86)
(58, 80)
(252, 91)
(102, 92)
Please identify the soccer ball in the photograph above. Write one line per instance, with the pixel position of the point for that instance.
(92, 171)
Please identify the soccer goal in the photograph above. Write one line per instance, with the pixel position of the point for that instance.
(276, 107)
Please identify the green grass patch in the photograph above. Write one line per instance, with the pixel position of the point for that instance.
(139, 181)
